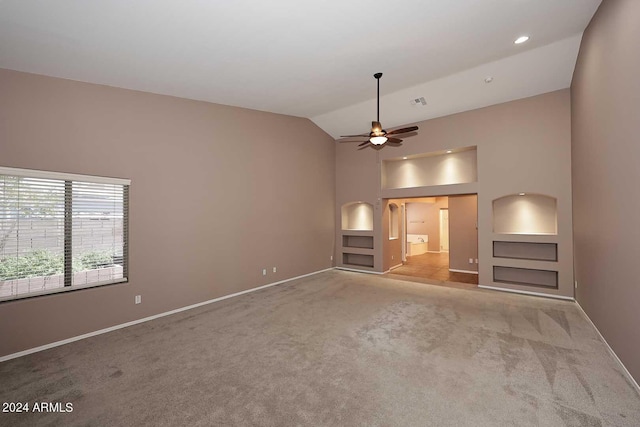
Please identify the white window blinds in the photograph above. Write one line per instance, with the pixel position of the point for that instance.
(60, 232)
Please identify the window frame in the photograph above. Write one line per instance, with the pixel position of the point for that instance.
(68, 179)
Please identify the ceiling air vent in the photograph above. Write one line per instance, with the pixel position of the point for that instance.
(418, 102)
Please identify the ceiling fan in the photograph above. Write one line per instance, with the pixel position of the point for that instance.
(379, 136)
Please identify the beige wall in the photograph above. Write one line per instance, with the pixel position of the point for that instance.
(418, 217)
(606, 133)
(463, 234)
(430, 214)
(522, 146)
(218, 193)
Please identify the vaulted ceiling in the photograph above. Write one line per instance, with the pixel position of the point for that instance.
(307, 59)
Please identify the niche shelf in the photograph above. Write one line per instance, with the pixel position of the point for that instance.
(525, 214)
(526, 250)
(357, 260)
(364, 242)
(526, 276)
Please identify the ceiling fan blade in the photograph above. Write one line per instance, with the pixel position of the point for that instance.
(354, 136)
(364, 143)
(408, 135)
(403, 130)
(393, 140)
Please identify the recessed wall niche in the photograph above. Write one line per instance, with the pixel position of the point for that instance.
(534, 251)
(357, 260)
(428, 169)
(525, 214)
(526, 276)
(364, 242)
(357, 216)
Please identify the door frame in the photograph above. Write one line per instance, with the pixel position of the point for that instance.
(441, 228)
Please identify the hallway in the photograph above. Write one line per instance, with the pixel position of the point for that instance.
(434, 266)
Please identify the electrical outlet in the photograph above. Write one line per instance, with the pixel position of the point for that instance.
(138, 299)
(392, 257)
(576, 284)
(470, 260)
(476, 260)
(264, 271)
(274, 269)
(331, 257)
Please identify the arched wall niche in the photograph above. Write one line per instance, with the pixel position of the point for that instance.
(525, 214)
(357, 216)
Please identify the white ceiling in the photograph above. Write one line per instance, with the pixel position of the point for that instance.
(308, 59)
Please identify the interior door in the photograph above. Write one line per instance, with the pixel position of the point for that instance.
(444, 230)
(403, 231)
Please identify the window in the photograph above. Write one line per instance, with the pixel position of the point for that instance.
(61, 232)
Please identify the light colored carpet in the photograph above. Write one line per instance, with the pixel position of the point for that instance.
(337, 348)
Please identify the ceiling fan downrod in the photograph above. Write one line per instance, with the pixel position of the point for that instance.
(379, 136)
(377, 76)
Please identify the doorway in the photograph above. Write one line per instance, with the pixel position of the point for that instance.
(439, 239)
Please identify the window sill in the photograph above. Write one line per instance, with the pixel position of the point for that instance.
(62, 290)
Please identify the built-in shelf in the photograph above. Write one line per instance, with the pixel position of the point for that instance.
(526, 250)
(357, 260)
(350, 241)
(526, 276)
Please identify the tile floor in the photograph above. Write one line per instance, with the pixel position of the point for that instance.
(434, 266)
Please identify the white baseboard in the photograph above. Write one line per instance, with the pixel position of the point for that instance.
(613, 353)
(146, 319)
(463, 271)
(537, 294)
(392, 268)
(359, 271)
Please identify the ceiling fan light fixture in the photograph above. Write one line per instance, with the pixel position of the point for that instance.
(378, 136)
(378, 140)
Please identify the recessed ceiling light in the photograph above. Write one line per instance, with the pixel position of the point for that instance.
(521, 39)
(488, 79)
(521, 194)
(449, 151)
(404, 158)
